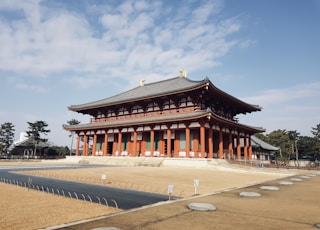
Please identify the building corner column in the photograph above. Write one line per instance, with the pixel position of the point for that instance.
(187, 140)
(202, 139)
(250, 148)
(78, 145)
(94, 144)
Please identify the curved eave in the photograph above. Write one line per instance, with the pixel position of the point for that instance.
(249, 107)
(227, 122)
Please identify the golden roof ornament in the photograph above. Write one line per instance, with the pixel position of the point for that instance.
(142, 82)
(183, 73)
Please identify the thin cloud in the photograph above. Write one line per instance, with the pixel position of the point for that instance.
(291, 108)
(85, 82)
(202, 13)
(271, 97)
(134, 38)
(30, 88)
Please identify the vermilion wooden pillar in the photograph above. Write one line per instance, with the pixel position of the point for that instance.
(220, 144)
(151, 142)
(94, 144)
(135, 142)
(115, 144)
(176, 143)
(250, 148)
(196, 142)
(78, 145)
(129, 145)
(202, 139)
(245, 149)
(210, 139)
(187, 141)
(169, 142)
(105, 144)
(238, 147)
(230, 146)
(85, 145)
(161, 144)
(143, 144)
(119, 143)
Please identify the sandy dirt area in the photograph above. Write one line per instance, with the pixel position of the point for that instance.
(34, 210)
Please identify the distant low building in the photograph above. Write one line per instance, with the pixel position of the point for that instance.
(23, 138)
(261, 150)
(24, 147)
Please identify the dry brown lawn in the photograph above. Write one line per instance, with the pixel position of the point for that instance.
(23, 209)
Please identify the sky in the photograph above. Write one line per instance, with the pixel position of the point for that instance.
(57, 53)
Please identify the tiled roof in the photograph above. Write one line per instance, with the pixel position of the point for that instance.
(28, 142)
(260, 143)
(150, 90)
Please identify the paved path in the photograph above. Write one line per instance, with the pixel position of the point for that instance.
(121, 198)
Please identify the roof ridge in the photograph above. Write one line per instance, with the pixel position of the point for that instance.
(173, 78)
